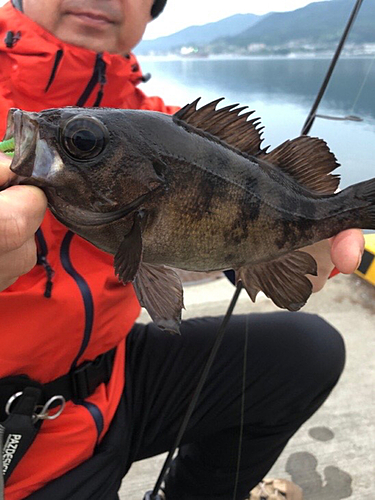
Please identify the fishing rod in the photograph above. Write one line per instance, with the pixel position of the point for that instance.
(312, 115)
(154, 494)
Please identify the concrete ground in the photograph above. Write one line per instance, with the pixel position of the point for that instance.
(333, 455)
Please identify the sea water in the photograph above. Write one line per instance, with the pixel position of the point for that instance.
(282, 91)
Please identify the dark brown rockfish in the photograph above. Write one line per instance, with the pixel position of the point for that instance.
(193, 191)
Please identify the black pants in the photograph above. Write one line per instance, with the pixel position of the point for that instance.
(293, 362)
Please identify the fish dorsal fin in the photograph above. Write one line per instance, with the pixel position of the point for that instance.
(309, 161)
(225, 124)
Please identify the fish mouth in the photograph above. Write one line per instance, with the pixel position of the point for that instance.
(34, 161)
(73, 216)
(24, 128)
(9, 132)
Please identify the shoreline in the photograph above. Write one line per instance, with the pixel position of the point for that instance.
(225, 57)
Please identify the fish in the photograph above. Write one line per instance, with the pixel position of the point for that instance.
(195, 191)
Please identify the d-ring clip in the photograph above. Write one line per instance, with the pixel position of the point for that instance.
(11, 400)
(44, 415)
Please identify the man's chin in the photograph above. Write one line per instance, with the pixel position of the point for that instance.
(97, 40)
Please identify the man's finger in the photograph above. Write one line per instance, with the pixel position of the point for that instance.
(5, 173)
(321, 253)
(347, 250)
(16, 263)
(22, 210)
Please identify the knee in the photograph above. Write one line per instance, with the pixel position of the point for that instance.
(306, 356)
(319, 347)
(301, 348)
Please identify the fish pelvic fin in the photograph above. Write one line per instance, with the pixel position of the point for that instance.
(129, 254)
(227, 124)
(159, 291)
(283, 280)
(309, 161)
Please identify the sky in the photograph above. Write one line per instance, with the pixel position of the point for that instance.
(179, 14)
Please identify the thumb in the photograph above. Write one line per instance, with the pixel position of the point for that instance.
(347, 250)
(6, 175)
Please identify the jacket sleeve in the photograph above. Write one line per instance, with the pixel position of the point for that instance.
(140, 99)
(5, 105)
(153, 103)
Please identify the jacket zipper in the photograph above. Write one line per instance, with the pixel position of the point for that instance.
(98, 76)
(58, 57)
(89, 317)
(42, 260)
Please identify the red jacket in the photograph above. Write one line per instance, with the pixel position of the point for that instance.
(88, 311)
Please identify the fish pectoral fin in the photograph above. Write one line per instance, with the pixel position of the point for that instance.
(159, 291)
(129, 254)
(283, 280)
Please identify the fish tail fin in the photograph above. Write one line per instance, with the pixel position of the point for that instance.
(365, 192)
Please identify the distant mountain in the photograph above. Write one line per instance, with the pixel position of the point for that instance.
(198, 35)
(316, 27)
(317, 23)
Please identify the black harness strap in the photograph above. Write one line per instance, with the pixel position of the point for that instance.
(82, 382)
(19, 429)
(21, 399)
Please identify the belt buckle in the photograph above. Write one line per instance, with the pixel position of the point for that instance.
(87, 377)
(80, 381)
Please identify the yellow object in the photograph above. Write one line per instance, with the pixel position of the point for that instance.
(366, 268)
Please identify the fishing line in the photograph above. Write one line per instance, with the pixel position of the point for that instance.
(153, 495)
(242, 408)
(363, 84)
(311, 116)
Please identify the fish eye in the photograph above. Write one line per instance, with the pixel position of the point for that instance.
(84, 138)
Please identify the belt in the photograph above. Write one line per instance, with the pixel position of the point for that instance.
(76, 385)
(21, 399)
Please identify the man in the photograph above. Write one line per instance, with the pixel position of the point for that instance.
(69, 325)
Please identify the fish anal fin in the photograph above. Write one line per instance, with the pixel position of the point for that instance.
(227, 124)
(283, 280)
(159, 291)
(129, 254)
(309, 161)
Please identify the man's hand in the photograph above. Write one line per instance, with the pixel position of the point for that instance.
(22, 210)
(343, 251)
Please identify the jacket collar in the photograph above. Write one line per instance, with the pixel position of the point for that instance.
(47, 70)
